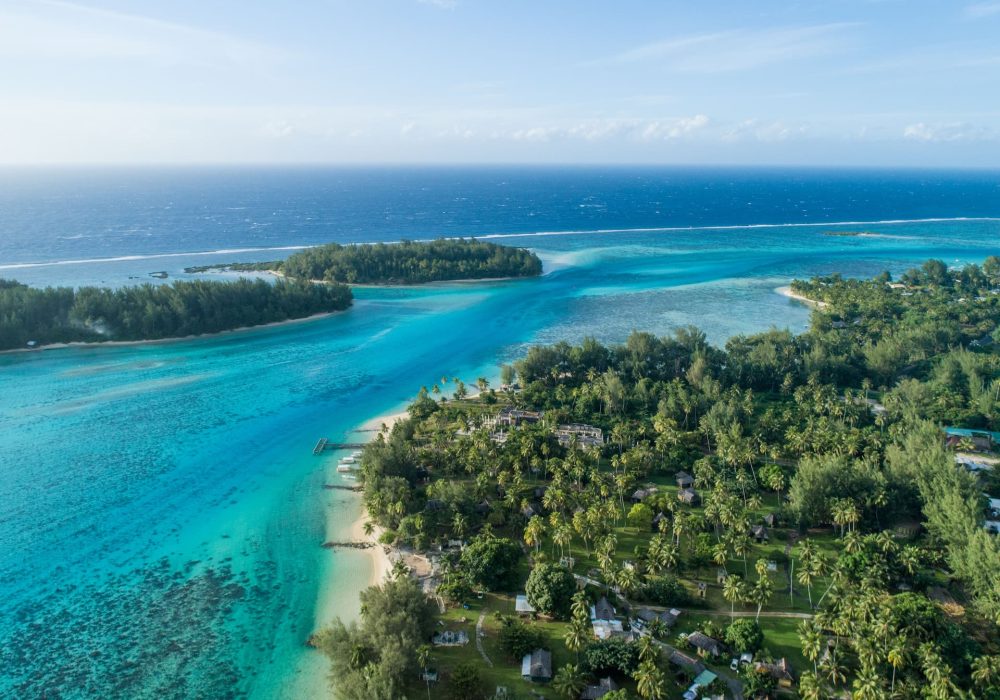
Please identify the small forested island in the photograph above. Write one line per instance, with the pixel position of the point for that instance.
(407, 262)
(38, 317)
(807, 515)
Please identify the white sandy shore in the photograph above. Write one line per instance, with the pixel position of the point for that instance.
(787, 292)
(165, 341)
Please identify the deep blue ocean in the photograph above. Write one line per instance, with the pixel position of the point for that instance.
(161, 513)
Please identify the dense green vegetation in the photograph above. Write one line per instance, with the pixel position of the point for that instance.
(833, 527)
(411, 262)
(93, 314)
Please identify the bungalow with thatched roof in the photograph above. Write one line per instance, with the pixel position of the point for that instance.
(684, 480)
(596, 692)
(689, 496)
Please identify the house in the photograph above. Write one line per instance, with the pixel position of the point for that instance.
(429, 675)
(992, 527)
(702, 589)
(603, 610)
(584, 435)
(684, 480)
(770, 519)
(606, 629)
(596, 692)
(484, 507)
(522, 606)
(689, 496)
(994, 506)
(780, 670)
(639, 495)
(973, 465)
(660, 517)
(510, 417)
(978, 440)
(646, 616)
(759, 533)
(839, 325)
(705, 645)
(537, 666)
(985, 342)
(688, 663)
(531, 509)
(721, 575)
(433, 505)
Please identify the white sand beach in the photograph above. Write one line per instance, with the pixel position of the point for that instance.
(787, 292)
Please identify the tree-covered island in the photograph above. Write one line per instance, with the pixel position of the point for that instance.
(407, 262)
(38, 317)
(804, 516)
(152, 312)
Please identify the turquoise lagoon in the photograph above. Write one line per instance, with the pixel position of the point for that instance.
(161, 512)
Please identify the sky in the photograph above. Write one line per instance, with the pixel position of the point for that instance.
(769, 82)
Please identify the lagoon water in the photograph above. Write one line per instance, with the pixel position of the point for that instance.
(161, 512)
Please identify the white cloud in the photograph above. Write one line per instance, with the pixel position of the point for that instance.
(740, 49)
(763, 131)
(948, 133)
(981, 9)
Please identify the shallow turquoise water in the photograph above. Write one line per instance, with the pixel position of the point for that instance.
(161, 511)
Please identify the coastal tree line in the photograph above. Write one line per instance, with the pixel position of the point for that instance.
(94, 314)
(840, 427)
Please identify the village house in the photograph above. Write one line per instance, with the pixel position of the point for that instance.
(603, 610)
(596, 692)
(689, 496)
(684, 480)
(537, 666)
(522, 606)
(759, 533)
(705, 645)
(688, 663)
(780, 670)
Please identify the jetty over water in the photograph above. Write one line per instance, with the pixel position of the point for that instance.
(323, 444)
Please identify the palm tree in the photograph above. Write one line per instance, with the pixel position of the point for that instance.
(628, 580)
(534, 532)
(369, 528)
(811, 639)
(810, 686)
(648, 651)
(577, 635)
(986, 671)
(423, 657)
(897, 659)
(649, 682)
(458, 524)
(568, 681)
(733, 590)
(867, 686)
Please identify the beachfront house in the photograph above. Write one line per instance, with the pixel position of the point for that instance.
(705, 645)
(537, 666)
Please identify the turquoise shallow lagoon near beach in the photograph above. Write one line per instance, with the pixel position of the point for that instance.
(161, 512)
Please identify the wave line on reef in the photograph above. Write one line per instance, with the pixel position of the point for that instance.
(529, 234)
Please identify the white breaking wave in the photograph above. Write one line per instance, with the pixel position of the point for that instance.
(573, 232)
(154, 256)
(735, 227)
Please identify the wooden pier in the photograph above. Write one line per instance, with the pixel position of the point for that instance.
(323, 444)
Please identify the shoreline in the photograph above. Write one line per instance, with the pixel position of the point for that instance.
(164, 341)
(787, 292)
